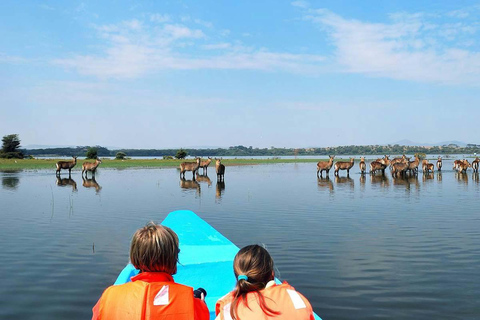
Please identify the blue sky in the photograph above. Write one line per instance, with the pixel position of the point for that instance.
(171, 74)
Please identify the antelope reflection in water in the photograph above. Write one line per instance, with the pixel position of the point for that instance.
(219, 189)
(190, 185)
(428, 176)
(204, 179)
(407, 181)
(347, 181)
(325, 183)
(91, 183)
(462, 177)
(380, 180)
(67, 182)
(363, 179)
(475, 177)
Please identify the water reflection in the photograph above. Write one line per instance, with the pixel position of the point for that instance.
(439, 176)
(67, 182)
(219, 189)
(462, 177)
(407, 181)
(380, 180)
(475, 177)
(324, 184)
(11, 180)
(424, 244)
(91, 183)
(190, 185)
(203, 178)
(427, 176)
(347, 181)
(363, 180)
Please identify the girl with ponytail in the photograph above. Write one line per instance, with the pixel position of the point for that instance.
(256, 295)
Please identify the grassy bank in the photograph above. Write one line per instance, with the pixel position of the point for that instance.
(40, 164)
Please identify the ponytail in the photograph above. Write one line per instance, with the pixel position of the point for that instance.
(253, 267)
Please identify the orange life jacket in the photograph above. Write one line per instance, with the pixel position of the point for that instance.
(283, 298)
(150, 295)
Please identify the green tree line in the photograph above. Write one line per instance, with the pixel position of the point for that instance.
(235, 151)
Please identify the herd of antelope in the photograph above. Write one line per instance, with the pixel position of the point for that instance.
(184, 166)
(86, 166)
(399, 166)
(194, 166)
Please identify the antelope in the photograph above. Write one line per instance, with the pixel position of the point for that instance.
(439, 164)
(376, 165)
(67, 182)
(66, 165)
(399, 167)
(220, 168)
(463, 166)
(91, 183)
(90, 166)
(362, 165)
(379, 164)
(457, 163)
(397, 160)
(427, 167)
(325, 165)
(385, 160)
(475, 164)
(205, 164)
(344, 165)
(189, 166)
(413, 165)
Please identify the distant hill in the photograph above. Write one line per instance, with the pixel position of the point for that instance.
(406, 142)
(44, 146)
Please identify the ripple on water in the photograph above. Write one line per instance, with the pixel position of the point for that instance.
(376, 248)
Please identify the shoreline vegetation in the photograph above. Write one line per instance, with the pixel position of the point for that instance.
(41, 164)
(242, 151)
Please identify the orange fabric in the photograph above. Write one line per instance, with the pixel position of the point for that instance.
(136, 300)
(276, 297)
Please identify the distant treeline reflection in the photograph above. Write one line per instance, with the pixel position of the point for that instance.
(272, 151)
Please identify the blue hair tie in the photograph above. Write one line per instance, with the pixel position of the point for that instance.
(242, 277)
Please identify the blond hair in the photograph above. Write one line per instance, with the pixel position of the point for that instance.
(154, 248)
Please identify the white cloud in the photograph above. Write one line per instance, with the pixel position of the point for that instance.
(134, 48)
(409, 48)
(217, 46)
(46, 7)
(179, 31)
(458, 14)
(133, 24)
(300, 4)
(206, 24)
(11, 59)
(160, 18)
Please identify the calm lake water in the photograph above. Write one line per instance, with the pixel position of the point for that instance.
(360, 247)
